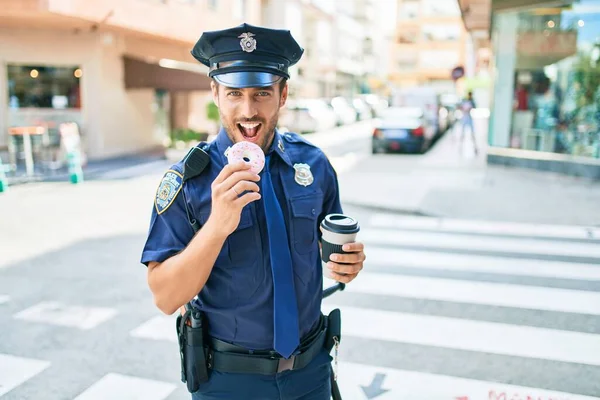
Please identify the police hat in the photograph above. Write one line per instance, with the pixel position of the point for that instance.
(248, 56)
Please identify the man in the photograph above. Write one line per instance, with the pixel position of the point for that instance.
(466, 106)
(255, 262)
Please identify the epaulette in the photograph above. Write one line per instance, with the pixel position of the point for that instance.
(292, 137)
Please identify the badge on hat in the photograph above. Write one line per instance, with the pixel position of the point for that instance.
(303, 175)
(248, 43)
(167, 190)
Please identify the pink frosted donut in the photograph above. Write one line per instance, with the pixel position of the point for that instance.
(248, 152)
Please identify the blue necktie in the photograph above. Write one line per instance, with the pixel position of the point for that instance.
(285, 308)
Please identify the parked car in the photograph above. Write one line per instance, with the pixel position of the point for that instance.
(402, 129)
(362, 109)
(307, 115)
(346, 114)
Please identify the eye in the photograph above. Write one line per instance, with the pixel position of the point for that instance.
(263, 94)
(234, 93)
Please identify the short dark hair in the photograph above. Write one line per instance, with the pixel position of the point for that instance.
(282, 84)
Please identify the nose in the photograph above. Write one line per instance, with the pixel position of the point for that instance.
(248, 109)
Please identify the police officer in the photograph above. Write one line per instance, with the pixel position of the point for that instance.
(251, 264)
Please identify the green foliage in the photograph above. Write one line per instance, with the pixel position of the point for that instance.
(212, 112)
(187, 135)
(587, 74)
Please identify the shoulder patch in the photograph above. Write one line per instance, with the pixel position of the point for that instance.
(167, 190)
(295, 138)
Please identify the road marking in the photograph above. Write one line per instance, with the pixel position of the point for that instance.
(454, 333)
(56, 313)
(395, 384)
(161, 327)
(475, 242)
(382, 220)
(123, 387)
(487, 264)
(346, 162)
(16, 370)
(493, 294)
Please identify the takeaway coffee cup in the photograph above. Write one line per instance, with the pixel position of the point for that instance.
(338, 229)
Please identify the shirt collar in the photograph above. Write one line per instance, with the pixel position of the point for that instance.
(278, 146)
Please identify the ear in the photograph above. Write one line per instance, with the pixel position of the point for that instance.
(215, 92)
(284, 94)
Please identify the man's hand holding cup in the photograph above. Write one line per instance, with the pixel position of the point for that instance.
(342, 256)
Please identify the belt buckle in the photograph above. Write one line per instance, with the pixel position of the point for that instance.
(285, 364)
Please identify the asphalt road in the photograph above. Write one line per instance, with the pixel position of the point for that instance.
(445, 309)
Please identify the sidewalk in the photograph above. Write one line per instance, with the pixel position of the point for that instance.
(452, 182)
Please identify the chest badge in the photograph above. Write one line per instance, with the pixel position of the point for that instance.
(303, 175)
(248, 43)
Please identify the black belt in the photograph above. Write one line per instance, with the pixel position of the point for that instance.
(226, 357)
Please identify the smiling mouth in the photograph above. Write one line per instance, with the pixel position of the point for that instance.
(249, 130)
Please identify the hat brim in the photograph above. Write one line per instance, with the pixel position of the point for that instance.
(247, 79)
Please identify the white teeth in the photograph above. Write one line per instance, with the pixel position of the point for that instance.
(249, 126)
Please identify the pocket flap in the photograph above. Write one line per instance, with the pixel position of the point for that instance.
(307, 206)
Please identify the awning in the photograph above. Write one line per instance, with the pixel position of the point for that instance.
(166, 74)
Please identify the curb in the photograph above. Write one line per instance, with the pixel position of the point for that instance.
(387, 209)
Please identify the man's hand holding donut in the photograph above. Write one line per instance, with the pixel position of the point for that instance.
(227, 204)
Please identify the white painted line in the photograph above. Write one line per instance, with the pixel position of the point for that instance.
(474, 292)
(66, 315)
(486, 337)
(16, 370)
(394, 384)
(4, 298)
(161, 327)
(383, 220)
(122, 387)
(480, 264)
(475, 242)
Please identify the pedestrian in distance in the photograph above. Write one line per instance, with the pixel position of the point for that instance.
(238, 252)
(466, 106)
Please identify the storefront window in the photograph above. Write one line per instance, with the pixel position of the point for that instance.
(555, 78)
(44, 87)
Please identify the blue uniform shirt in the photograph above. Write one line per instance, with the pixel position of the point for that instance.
(238, 296)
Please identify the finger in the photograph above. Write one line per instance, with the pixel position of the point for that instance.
(236, 177)
(354, 247)
(349, 258)
(345, 268)
(248, 198)
(243, 186)
(341, 278)
(230, 169)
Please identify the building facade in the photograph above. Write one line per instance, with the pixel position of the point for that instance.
(120, 69)
(545, 109)
(430, 40)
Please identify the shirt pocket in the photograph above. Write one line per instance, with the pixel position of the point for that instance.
(240, 247)
(243, 242)
(305, 211)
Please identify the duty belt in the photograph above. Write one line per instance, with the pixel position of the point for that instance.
(226, 357)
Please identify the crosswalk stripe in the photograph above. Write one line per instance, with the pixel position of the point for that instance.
(476, 263)
(487, 337)
(161, 327)
(16, 370)
(382, 220)
(474, 242)
(494, 294)
(356, 379)
(56, 313)
(122, 387)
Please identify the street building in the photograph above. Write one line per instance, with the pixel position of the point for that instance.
(120, 69)
(545, 99)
